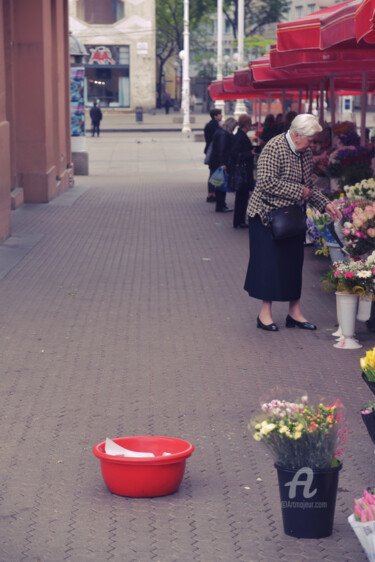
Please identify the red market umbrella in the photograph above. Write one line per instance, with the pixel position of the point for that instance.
(365, 22)
(304, 32)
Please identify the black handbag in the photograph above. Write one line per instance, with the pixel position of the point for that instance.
(287, 222)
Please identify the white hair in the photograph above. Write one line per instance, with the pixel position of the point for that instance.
(305, 124)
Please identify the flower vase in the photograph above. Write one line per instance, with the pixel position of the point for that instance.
(365, 533)
(308, 500)
(370, 384)
(335, 253)
(369, 421)
(364, 310)
(347, 304)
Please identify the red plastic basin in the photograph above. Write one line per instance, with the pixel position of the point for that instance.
(145, 477)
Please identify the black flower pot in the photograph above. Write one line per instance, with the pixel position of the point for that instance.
(370, 384)
(369, 421)
(308, 500)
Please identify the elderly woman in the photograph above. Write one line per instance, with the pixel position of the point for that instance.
(283, 179)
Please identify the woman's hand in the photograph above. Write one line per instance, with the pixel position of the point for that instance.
(333, 212)
(306, 193)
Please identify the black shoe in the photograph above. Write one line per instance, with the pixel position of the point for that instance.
(211, 199)
(223, 210)
(268, 327)
(291, 323)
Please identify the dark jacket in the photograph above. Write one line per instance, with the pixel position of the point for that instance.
(221, 149)
(242, 154)
(209, 131)
(96, 115)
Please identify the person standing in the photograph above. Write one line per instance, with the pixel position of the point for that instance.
(220, 158)
(96, 117)
(283, 178)
(241, 169)
(209, 131)
(167, 101)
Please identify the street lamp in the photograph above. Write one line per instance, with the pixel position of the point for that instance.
(240, 104)
(184, 56)
(219, 104)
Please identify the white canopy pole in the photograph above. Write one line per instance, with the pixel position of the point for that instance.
(240, 105)
(185, 73)
(220, 104)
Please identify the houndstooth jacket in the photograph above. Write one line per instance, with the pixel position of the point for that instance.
(281, 175)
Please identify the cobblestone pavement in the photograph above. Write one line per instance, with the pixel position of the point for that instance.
(123, 313)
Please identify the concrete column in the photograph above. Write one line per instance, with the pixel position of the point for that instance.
(5, 162)
(39, 94)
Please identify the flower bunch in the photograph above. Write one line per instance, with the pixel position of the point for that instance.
(350, 164)
(359, 230)
(352, 276)
(368, 364)
(300, 435)
(369, 409)
(364, 508)
(364, 189)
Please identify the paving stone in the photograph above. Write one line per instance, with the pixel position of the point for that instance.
(126, 316)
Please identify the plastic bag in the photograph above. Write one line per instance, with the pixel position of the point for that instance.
(219, 180)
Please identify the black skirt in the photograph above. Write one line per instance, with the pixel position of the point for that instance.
(275, 266)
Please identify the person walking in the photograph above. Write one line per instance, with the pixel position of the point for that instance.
(96, 117)
(220, 158)
(167, 101)
(283, 178)
(209, 131)
(242, 169)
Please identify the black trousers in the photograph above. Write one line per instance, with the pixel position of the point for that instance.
(96, 128)
(240, 205)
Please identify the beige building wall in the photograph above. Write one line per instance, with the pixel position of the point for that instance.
(137, 30)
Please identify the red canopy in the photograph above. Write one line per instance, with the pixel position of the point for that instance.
(305, 32)
(365, 22)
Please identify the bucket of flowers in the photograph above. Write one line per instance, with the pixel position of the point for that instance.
(362, 521)
(349, 280)
(323, 233)
(306, 443)
(368, 369)
(361, 190)
(368, 417)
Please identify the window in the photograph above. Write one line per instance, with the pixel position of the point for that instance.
(311, 8)
(298, 11)
(100, 12)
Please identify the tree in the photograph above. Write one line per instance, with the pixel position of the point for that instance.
(169, 28)
(257, 13)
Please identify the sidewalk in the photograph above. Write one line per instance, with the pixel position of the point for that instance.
(115, 121)
(124, 314)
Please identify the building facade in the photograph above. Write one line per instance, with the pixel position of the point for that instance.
(35, 150)
(119, 35)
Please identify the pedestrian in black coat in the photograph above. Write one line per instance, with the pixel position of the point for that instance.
(220, 157)
(242, 170)
(96, 117)
(209, 131)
